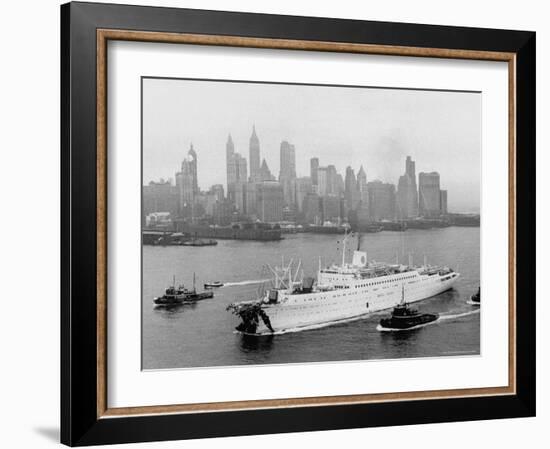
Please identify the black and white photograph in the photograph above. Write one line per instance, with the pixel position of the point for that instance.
(294, 223)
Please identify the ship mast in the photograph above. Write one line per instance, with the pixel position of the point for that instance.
(344, 251)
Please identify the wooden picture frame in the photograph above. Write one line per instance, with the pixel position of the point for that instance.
(86, 29)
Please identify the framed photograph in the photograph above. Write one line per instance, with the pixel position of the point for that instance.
(283, 224)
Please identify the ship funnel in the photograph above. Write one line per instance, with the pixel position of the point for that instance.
(359, 258)
(308, 283)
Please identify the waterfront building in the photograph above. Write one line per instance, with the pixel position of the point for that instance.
(363, 216)
(381, 200)
(239, 196)
(287, 173)
(254, 156)
(443, 202)
(160, 196)
(289, 214)
(331, 208)
(223, 212)
(204, 204)
(270, 201)
(312, 209)
(429, 195)
(251, 199)
(159, 220)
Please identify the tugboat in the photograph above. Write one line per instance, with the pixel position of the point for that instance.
(215, 284)
(475, 299)
(181, 295)
(403, 317)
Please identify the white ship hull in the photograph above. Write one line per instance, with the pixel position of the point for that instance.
(351, 299)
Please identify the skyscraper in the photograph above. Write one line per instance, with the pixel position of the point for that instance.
(303, 187)
(312, 208)
(287, 174)
(314, 167)
(236, 175)
(331, 208)
(322, 181)
(229, 161)
(443, 202)
(429, 194)
(332, 180)
(407, 195)
(254, 156)
(270, 201)
(350, 193)
(362, 183)
(185, 185)
(363, 194)
(193, 167)
(288, 160)
(381, 200)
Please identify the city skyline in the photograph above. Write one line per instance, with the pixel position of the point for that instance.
(384, 162)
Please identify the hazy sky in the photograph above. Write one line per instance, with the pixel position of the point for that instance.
(377, 128)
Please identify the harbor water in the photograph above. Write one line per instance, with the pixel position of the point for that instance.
(202, 334)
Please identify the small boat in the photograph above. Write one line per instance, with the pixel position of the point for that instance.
(215, 284)
(181, 295)
(404, 317)
(475, 299)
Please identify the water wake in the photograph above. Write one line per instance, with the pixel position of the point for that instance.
(458, 315)
(360, 317)
(250, 282)
(309, 327)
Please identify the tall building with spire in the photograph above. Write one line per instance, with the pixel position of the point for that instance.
(187, 184)
(254, 156)
(362, 184)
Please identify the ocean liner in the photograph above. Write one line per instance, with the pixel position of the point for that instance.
(342, 292)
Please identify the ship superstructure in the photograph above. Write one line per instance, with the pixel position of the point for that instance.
(342, 292)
